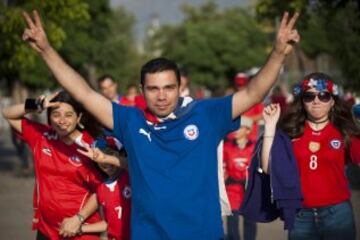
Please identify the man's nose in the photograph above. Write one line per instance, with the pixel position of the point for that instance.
(161, 94)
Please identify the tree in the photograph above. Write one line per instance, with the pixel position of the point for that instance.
(19, 64)
(212, 44)
(91, 36)
(104, 45)
(327, 27)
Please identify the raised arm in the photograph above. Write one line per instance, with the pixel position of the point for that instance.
(13, 114)
(68, 78)
(259, 86)
(271, 116)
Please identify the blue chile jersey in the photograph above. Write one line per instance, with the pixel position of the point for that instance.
(173, 169)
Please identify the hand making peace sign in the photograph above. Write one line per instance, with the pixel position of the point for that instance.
(287, 35)
(34, 33)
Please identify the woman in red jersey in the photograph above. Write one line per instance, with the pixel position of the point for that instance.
(65, 179)
(324, 137)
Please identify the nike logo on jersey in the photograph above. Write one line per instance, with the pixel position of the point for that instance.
(47, 151)
(147, 134)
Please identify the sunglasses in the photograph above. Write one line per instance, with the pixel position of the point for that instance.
(322, 96)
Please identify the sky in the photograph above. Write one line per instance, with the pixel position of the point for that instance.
(168, 11)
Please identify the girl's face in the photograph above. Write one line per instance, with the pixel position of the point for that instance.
(317, 104)
(242, 133)
(109, 169)
(64, 119)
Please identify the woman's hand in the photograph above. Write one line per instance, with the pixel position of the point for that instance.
(70, 227)
(45, 103)
(271, 115)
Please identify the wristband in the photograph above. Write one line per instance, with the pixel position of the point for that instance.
(80, 217)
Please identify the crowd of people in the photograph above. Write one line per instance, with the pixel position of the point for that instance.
(146, 165)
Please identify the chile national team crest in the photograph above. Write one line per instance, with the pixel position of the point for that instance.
(335, 143)
(126, 192)
(191, 132)
(75, 160)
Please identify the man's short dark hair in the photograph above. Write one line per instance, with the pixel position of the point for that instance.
(159, 65)
(104, 77)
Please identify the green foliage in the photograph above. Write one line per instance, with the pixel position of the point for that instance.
(18, 61)
(90, 35)
(331, 27)
(213, 44)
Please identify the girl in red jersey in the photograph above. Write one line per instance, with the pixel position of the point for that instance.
(324, 136)
(113, 195)
(64, 178)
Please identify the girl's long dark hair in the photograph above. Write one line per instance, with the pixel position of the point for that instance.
(87, 120)
(340, 116)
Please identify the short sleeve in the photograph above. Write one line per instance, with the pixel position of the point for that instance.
(32, 131)
(354, 150)
(219, 111)
(120, 120)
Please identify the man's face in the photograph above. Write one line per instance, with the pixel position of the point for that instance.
(108, 88)
(161, 92)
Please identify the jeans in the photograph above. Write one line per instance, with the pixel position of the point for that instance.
(334, 222)
(234, 231)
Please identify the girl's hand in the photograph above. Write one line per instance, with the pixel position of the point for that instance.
(94, 154)
(271, 114)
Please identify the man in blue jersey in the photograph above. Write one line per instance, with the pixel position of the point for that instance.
(172, 159)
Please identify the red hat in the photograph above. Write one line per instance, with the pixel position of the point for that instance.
(241, 80)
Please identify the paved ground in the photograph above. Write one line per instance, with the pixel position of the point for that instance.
(16, 202)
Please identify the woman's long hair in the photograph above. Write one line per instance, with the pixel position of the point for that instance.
(87, 120)
(340, 116)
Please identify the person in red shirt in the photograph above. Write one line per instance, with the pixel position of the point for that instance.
(254, 114)
(237, 156)
(129, 98)
(64, 178)
(324, 137)
(113, 195)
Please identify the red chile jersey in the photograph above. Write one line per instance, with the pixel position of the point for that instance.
(251, 113)
(126, 101)
(114, 197)
(64, 179)
(321, 161)
(236, 163)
